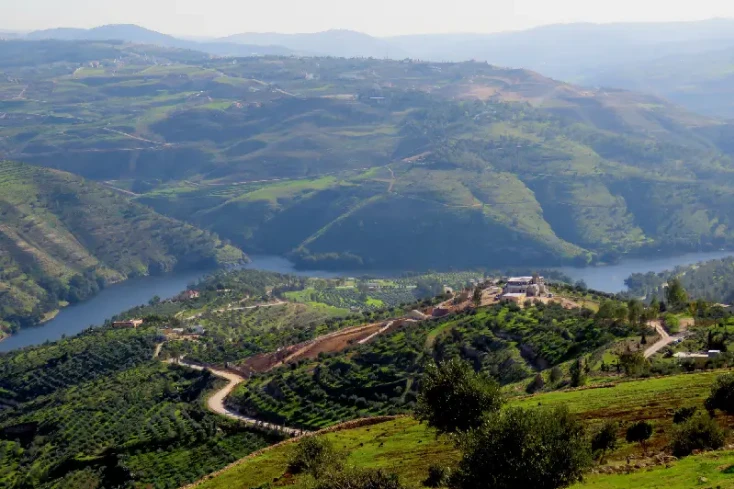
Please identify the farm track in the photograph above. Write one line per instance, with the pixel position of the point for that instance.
(665, 338)
(335, 341)
(216, 404)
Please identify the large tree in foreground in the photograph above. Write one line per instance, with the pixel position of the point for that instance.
(722, 394)
(454, 398)
(538, 449)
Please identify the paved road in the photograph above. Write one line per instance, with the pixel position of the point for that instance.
(216, 401)
(665, 338)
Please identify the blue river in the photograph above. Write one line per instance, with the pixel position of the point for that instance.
(121, 297)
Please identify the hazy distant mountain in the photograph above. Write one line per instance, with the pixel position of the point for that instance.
(703, 82)
(571, 51)
(339, 43)
(7, 35)
(140, 35)
(691, 59)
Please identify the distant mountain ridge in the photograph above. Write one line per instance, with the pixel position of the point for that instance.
(607, 55)
(140, 35)
(336, 42)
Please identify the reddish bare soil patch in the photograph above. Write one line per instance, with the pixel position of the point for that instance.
(334, 342)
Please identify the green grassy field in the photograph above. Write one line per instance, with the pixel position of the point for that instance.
(409, 448)
(404, 446)
(716, 469)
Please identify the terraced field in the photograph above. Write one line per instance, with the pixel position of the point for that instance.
(380, 377)
(144, 425)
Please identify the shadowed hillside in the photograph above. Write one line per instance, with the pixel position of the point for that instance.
(63, 238)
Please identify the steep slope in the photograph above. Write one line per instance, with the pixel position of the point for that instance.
(62, 238)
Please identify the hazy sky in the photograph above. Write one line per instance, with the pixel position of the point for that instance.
(377, 17)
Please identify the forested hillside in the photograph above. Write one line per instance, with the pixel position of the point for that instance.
(63, 238)
(712, 281)
(353, 162)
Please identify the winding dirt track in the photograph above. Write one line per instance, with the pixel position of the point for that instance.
(216, 401)
(665, 338)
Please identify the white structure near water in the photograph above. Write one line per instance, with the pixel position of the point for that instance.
(530, 286)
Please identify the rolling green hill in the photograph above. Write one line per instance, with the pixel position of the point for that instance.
(711, 281)
(366, 163)
(409, 448)
(63, 238)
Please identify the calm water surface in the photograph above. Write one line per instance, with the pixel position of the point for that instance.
(611, 278)
(121, 297)
(112, 300)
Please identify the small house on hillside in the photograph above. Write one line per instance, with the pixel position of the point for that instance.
(515, 297)
(189, 295)
(129, 323)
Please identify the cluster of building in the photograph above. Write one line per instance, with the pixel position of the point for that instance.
(518, 289)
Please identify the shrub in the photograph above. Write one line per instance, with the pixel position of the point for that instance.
(536, 384)
(672, 323)
(633, 363)
(359, 479)
(438, 476)
(556, 374)
(315, 456)
(700, 432)
(605, 439)
(639, 432)
(539, 449)
(683, 414)
(722, 394)
(578, 373)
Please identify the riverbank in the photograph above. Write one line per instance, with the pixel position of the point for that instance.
(134, 292)
(604, 278)
(108, 302)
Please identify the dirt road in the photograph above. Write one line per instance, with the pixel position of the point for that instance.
(216, 404)
(665, 338)
(380, 331)
(157, 351)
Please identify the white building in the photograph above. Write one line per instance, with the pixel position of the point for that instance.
(530, 286)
